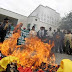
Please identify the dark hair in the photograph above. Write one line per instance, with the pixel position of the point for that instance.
(50, 28)
(33, 27)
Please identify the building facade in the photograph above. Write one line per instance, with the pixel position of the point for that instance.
(41, 16)
(15, 18)
(44, 16)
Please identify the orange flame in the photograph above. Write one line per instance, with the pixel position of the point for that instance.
(8, 45)
(33, 53)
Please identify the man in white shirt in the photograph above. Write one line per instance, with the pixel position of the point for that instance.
(42, 33)
(50, 35)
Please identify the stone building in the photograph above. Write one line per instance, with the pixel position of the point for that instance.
(44, 16)
(41, 16)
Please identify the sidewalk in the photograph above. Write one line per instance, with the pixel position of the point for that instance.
(59, 57)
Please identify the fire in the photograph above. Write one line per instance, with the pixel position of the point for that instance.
(9, 45)
(0, 46)
(32, 54)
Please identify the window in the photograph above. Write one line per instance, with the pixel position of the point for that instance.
(35, 19)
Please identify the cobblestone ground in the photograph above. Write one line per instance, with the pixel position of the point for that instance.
(59, 57)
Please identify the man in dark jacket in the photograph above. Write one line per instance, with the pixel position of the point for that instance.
(58, 40)
(4, 28)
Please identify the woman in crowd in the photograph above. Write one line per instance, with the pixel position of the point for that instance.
(32, 33)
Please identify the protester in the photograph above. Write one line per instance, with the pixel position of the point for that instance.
(4, 28)
(12, 27)
(24, 33)
(54, 32)
(33, 33)
(58, 40)
(68, 42)
(9, 34)
(42, 33)
(17, 29)
(50, 35)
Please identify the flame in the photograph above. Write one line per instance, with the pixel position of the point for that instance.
(9, 45)
(32, 54)
(0, 46)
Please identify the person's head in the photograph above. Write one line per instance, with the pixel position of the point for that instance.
(50, 29)
(54, 30)
(6, 20)
(24, 28)
(42, 28)
(21, 24)
(33, 28)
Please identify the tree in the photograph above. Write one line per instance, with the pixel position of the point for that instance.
(66, 22)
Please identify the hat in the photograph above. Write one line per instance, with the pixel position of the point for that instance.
(6, 18)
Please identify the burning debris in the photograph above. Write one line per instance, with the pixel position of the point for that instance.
(34, 53)
(47, 67)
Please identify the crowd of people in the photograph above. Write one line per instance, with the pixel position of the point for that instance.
(62, 40)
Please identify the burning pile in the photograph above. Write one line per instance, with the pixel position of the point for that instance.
(33, 54)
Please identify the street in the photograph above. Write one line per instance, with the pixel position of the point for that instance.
(59, 57)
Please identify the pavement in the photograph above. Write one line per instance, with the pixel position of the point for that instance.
(59, 57)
